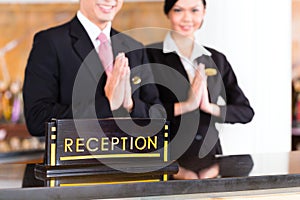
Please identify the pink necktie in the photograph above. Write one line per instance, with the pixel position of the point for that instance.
(105, 53)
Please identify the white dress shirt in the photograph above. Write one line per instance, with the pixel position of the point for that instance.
(189, 64)
(93, 30)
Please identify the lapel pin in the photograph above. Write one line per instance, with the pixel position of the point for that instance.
(136, 80)
(210, 71)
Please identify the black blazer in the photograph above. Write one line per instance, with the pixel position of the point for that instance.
(64, 68)
(205, 143)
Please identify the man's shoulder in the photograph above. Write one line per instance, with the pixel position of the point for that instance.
(121, 36)
(58, 30)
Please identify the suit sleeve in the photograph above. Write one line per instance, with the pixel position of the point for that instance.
(147, 95)
(237, 108)
(41, 86)
(166, 95)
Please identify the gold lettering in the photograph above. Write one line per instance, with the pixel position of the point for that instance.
(88, 144)
(104, 142)
(79, 143)
(131, 143)
(124, 143)
(136, 143)
(154, 143)
(114, 141)
(68, 144)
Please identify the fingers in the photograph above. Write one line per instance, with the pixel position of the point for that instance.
(201, 69)
(196, 91)
(115, 84)
(185, 174)
(118, 89)
(210, 172)
(120, 66)
(127, 83)
(198, 82)
(128, 102)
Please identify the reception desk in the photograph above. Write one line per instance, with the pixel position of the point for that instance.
(260, 175)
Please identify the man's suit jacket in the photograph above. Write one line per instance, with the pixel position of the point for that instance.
(169, 71)
(64, 77)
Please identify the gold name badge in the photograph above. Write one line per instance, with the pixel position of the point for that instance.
(210, 71)
(136, 80)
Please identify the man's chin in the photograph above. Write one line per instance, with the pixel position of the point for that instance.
(107, 18)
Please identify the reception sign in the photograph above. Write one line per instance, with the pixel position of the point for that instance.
(106, 151)
(72, 142)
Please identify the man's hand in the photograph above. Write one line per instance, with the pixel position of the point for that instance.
(128, 102)
(115, 84)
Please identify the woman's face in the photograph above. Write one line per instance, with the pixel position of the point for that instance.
(186, 16)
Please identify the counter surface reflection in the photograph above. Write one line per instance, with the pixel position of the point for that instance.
(237, 173)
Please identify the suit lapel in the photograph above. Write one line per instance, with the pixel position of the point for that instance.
(80, 39)
(118, 43)
(173, 61)
(84, 48)
(177, 77)
(214, 83)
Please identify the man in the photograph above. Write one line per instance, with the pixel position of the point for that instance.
(67, 75)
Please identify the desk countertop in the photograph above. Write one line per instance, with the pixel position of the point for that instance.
(266, 171)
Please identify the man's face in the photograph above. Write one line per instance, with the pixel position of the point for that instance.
(100, 11)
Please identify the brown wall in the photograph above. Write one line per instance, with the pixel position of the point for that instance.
(20, 22)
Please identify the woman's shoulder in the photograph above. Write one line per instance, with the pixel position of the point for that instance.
(220, 60)
(214, 52)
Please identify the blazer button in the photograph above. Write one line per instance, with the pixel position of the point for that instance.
(198, 137)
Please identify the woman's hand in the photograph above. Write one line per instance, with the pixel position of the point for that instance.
(185, 174)
(210, 172)
(205, 104)
(195, 94)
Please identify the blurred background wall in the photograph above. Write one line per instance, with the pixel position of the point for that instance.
(256, 37)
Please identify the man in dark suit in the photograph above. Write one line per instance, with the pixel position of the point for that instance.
(65, 78)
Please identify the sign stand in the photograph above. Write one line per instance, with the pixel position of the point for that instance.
(106, 151)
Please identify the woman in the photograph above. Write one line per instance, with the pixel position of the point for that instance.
(210, 77)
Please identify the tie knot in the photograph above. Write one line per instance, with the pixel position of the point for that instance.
(102, 38)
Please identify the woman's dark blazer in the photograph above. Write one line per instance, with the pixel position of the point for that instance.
(57, 56)
(224, 84)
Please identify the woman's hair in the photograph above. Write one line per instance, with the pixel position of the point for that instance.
(170, 3)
